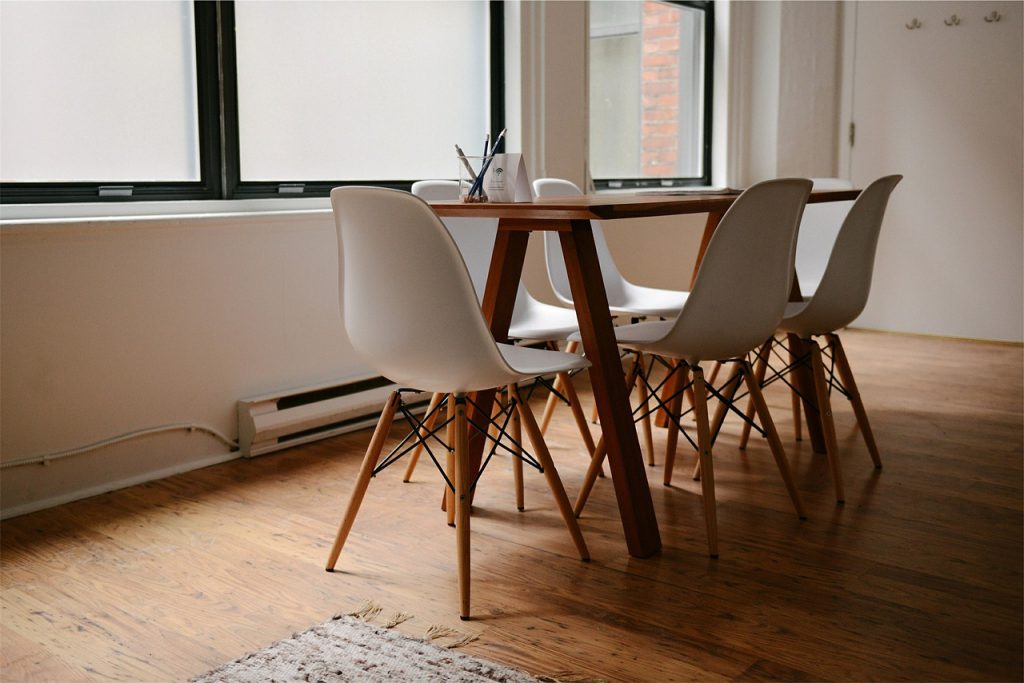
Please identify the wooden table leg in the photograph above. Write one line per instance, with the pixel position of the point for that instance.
(803, 378)
(498, 302)
(710, 225)
(610, 393)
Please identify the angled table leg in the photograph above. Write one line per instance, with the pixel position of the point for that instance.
(803, 378)
(498, 302)
(625, 460)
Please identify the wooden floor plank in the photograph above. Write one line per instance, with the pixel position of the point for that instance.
(918, 577)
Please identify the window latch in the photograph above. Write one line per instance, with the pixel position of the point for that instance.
(116, 190)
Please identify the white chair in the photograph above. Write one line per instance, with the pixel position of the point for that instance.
(532, 320)
(433, 338)
(624, 297)
(818, 230)
(838, 299)
(738, 299)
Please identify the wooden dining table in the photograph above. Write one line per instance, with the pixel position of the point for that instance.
(570, 217)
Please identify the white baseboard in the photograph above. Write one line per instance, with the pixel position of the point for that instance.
(107, 487)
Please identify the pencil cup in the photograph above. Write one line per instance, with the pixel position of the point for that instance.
(470, 190)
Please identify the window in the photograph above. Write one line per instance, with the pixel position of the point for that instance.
(103, 99)
(650, 93)
(174, 99)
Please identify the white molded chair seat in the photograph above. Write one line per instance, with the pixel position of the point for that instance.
(738, 299)
(431, 338)
(538, 321)
(624, 297)
(530, 362)
(644, 336)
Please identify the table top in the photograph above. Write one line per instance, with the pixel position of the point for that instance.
(611, 206)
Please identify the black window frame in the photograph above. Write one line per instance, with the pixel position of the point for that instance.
(708, 7)
(217, 101)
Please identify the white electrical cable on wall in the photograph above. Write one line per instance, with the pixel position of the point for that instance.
(45, 458)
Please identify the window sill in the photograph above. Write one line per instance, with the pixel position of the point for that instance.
(117, 211)
(679, 189)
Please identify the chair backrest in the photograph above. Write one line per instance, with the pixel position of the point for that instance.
(844, 288)
(818, 231)
(614, 282)
(741, 290)
(406, 297)
(473, 236)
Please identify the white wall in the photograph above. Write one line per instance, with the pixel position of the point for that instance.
(943, 106)
(553, 39)
(113, 325)
(786, 86)
(809, 73)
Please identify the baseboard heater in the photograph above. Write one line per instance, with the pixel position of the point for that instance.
(288, 418)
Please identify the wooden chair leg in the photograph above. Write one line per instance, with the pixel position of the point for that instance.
(645, 411)
(517, 464)
(675, 409)
(760, 368)
(496, 408)
(670, 388)
(795, 402)
(778, 452)
(846, 375)
(707, 479)
(449, 495)
(599, 454)
(824, 405)
(414, 457)
(581, 420)
(380, 435)
(563, 383)
(710, 379)
(463, 478)
(714, 373)
(731, 386)
(552, 402)
(554, 482)
(596, 461)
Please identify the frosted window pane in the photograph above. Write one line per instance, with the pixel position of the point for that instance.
(646, 90)
(615, 106)
(98, 91)
(359, 90)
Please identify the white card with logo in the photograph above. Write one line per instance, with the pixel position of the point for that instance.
(506, 179)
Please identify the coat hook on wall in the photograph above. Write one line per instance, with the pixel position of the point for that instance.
(913, 24)
(995, 16)
(952, 21)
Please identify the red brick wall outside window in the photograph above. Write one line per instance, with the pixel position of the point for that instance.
(659, 135)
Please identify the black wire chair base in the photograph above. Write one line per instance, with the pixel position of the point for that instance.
(833, 381)
(421, 435)
(663, 402)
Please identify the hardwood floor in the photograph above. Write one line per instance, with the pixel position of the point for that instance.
(917, 577)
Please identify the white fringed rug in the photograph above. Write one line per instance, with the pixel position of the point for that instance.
(348, 649)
